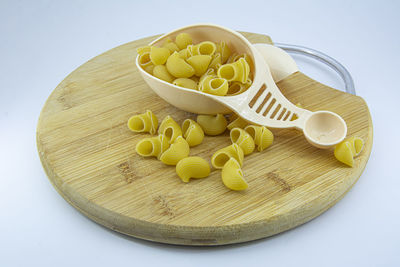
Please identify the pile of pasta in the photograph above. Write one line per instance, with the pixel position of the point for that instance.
(207, 66)
(172, 144)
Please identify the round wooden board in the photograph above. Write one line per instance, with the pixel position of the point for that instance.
(89, 155)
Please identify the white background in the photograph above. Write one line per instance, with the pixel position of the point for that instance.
(41, 42)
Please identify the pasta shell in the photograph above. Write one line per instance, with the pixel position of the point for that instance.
(161, 72)
(348, 149)
(216, 61)
(143, 49)
(262, 137)
(213, 85)
(199, 63)
(184, 53)
(153, 146)
(206, 48)
(178, 150)
(178, 66)
(232, 176)
(186, 83)
(243, 139)
(212, 125)
(237, 71)
(192, 132)
(237, 122)
(192, 167)
(146, 122)
(182, 40)
(159, 55)
(171, 46)
(221, 156)
(170, 128)
(144, 59)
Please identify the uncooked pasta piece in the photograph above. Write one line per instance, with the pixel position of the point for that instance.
(232, 176)
(236, 88)
(216, 61)
(178, 150)
(348, 149)
(170, 128)
(178, 67)
(153, 146)
(144, 59)
(199, 63)
(237, 71)
(262, 137)
(243, 139)
(221, 156)
(212, 124)
(237, 122)
(149, 69)
(204, 48)
(214, 85)
(192, 167)
(182, 40)
(159, 55)
(184, 54)
(185, 82)
(171, 46)
(143, 49)
(145, 122)
(223, 49)
(161, 72)
(192, 132)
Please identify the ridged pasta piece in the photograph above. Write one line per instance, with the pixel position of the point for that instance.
(209, 72)
(170, 128)
(216, 61)
(232, 176)
(178, 150)
(185, 82)
(237, 122)
(348, 149)
(184, 54)
(145, 122)
(149, 69)
(237, 71)
(159, 55)
(203, 48)
(153, 146)
(161, 72)
(144, 59)
(182, 40)
(171, 46)
(212, 125)
(178, 67)
(236, 88)
(214, 85)
(243, 139)
(262, 137)
(223, 49)
(221, 156)
(232, 58)
(192, 132)
(192, 167)
(143, 49)
(199, 63)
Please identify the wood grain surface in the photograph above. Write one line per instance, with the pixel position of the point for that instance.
(89, 156)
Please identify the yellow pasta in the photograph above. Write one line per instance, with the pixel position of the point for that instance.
(220, 157)
(161, 72)
(262, 137)
(237, 122)
(170, 128)
(159, 55)
(214, 85)
(199, 63)
(149, 69)
(243, 139)
(182, 40)
(178, 150)
(212, 125)
(144, 59)
(146, 122)
(216, 61)
(236, 88)
(232, 176)
(209, 72)
(185, 82)
(192, 132)
(348, 149)
(184, 53)
(153, 146)
(143, 49)
(192, 167)
(237, 71)
(178, 67)
(171, 46)
(224, 51)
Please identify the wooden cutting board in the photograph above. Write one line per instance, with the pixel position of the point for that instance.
(89, 156)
